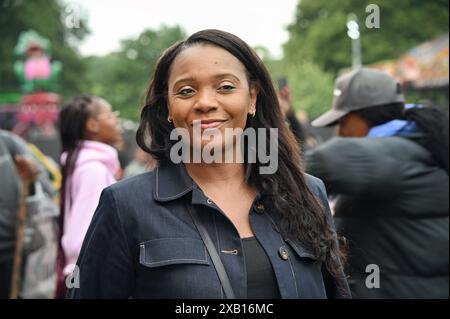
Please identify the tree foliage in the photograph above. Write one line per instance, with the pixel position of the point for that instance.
(123, 77)
(317, 49)
(310, 86)
(319, 32)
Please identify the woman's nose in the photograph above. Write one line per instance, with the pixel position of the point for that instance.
(206, 101)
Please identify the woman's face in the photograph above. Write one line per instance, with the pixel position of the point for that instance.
(104, 124)
(208, 83)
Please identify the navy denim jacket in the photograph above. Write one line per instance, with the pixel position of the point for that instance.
(142, 243)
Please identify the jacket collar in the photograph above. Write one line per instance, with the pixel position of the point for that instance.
(171, 181)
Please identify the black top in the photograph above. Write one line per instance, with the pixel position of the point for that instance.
(261, 281)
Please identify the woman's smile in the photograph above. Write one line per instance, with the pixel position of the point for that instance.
(209, 124)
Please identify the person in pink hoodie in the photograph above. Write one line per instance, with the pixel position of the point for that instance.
(89, 130)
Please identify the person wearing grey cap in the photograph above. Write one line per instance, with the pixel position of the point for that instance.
(388, 174)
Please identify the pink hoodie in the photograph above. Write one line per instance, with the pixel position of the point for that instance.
(94, 170)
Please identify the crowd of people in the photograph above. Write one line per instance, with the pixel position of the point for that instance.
(362, 215)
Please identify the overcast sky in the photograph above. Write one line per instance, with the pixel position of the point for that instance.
(258, 22)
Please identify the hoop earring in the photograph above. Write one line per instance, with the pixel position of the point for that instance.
(169, 119)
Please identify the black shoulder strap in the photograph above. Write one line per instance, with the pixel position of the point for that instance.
(217, 262)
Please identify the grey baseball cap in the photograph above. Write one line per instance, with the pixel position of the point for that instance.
(360, 89)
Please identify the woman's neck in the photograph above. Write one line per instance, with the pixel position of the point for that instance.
(216, 175)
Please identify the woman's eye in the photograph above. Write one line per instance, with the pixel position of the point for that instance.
(185, 92)
(227, 88)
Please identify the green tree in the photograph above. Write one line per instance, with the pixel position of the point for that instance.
(46, 17)
(319, 32)
(123, 77)
(310, 86)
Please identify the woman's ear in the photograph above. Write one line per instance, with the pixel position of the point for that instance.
(254, 91)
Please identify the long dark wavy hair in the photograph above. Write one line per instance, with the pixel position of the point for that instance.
(286, 191)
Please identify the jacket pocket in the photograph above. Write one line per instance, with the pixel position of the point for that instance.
(171, 251)
(308, 272)
(301, 251)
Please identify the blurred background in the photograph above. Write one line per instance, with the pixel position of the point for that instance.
(108, 48)
(52, 50)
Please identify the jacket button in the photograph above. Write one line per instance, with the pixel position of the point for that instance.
(259, 208)
(284, 254)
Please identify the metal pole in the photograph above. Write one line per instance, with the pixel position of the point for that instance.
(356, 53)
(355, 35)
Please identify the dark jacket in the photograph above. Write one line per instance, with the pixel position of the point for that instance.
(393, 208)
(142, 243)
(11, 188)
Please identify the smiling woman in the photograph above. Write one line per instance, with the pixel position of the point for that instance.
(213, 230)
(210, 85)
